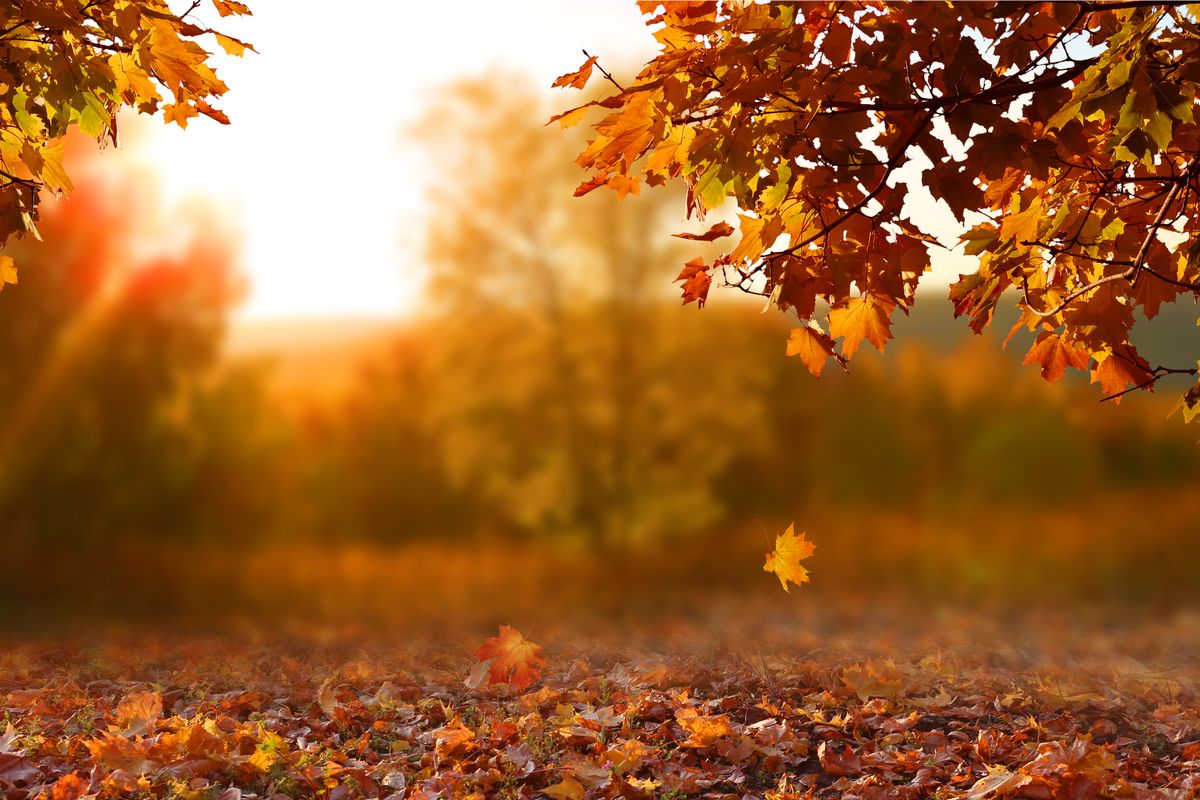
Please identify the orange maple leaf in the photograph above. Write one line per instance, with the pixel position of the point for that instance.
(1119, 370)
(813, 347)
(785, 559)
(721, 229)
(578, 78)
(515, 659)
(1055, 354)
(860, 318)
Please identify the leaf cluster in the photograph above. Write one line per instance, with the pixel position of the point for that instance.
(1062, 137)
(218, 719)
(73, 64)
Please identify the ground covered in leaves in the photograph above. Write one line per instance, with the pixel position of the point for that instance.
(814, 716)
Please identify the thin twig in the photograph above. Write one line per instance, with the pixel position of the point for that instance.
(1157, 374)
(1135, 268)
(605, 72)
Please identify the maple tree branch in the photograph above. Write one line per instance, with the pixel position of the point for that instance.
(1195, 287)
(890, 167)
(1156, 374)
(115, 48)
(1066, 31)
(1066, 301)
(1116, 5)
(605, 73)
(13, 27)
(23, 181)
(993, 92)
(1056, 250)
(1136, 266)
(1140, 259)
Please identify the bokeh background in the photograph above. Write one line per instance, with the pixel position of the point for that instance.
(367, 362)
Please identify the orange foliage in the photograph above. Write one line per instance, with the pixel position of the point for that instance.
(514, 659)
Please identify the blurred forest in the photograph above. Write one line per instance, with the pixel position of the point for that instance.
(553, 412)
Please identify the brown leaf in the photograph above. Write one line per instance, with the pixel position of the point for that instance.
(696, 282)
(839, 762)
(715, 232)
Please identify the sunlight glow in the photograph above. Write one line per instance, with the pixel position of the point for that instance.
(313, 171)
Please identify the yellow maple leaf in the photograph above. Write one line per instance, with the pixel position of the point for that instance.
(567, 789)
(8, 270)
(785, 559)
(860, 318)
(516, 660)
(813, 347)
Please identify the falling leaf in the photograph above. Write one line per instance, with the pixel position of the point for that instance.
(327, 698)
(785, 559)
(696, 282)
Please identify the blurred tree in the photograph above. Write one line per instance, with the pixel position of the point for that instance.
(569, 395)
(72, 66)
(109, 403)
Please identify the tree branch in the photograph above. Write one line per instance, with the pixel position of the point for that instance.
(605, 72)
(1157, 374)
(1135, 268)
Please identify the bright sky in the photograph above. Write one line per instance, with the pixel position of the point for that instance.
(313, 170)
(314, 173)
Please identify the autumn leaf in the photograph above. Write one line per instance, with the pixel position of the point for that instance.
(824, 222)
(717, 231)
(516, 660)
(566, 789)
(71, 786)
(8, 271)
(1055, 355)
(591, 184)
(578, 78)
(79, 66)
(838, 760)
(785, 559)
(138, 712)
(624, 185)
(703, 730)
(230, 7)
(232, 46)
(857, 319)
(118, 752)
(17, 769)
(696, 282)
(1119, 370)
(813, 347)
(571, 118)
